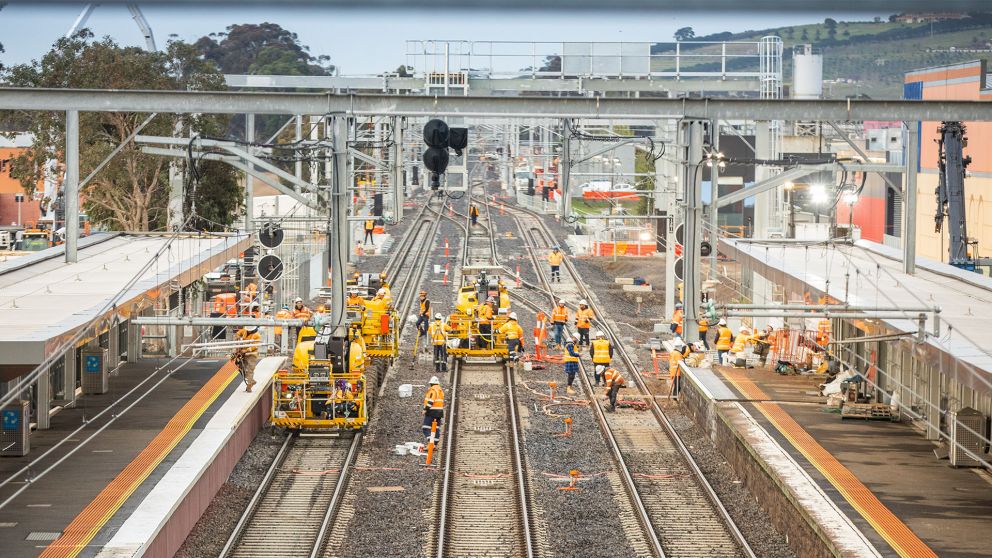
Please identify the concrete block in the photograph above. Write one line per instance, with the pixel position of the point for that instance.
(624, 280)
(637, 288)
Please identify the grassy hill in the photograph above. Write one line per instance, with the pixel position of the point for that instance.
(872, 55)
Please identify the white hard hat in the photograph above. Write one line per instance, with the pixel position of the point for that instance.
(600, 368)
(599, 334)
(678, 305)
(561, 303)
(381, 292)
(251, 328)
(576, 336)
(437, 316)
(512, 316)
(743, 329)
(583, 302)
(722, 322)
(434, 381)
(298, 299)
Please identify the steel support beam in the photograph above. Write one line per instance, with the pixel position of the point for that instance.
(338, 235)
(397, 124)
(714, 215)
(238, 102)
(763, 186)
(692, 226)
(909, 198)
(249, 177)
(194, 321)
(70, 188)
(565, 166)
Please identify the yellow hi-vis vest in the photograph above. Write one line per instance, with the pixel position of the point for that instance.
(600, 351)
(724, 340)
(512, 330)
(436, 332)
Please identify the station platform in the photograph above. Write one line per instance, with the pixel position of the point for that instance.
(863, 488)
(130, 472)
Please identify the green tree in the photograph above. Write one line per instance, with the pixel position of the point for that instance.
(684, 34)
(131, 192)
(264, 48)
(805, 35)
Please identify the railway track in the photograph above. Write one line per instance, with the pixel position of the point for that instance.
(483, 509)
(297, 499)
(676, 505)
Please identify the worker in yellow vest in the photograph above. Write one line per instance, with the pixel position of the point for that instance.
(356, 353)
(559, 317)
(246, 356)
(282, 314)
(514, 336)
(614, 381)
(742, 340)
(555, 258)
(433, 408)
(369, 229)
(724, 340)
(438, 334)
(355, 300)
(601, 352)
(583, 321)
(704, 327)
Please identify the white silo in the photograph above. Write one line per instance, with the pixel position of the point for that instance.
(807, 73)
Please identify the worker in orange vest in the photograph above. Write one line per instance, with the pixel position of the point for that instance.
(484, 314)
(679, 351)
(704, 327)
(514, 335)
(424, 316)
(282, 314)
(473, 212)
(677, 319)
(246, 356)
(583, 321)
(724, 340)
(433, 408)
(614, 381)
(823, 333)
(559, 317)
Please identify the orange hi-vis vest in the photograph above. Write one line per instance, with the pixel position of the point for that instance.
(425, 307)
(674, 358)
(704, 325)
(583, 318)
(302, 313)
(485, 313)
(254, 338)
(600, 351)
(434, 399)
(677, 319)
(559, 315)
(613, 376)
(725, 339)
(823, 332)
(282, 314)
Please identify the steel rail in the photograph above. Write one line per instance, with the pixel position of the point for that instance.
(655, 408)
(335, 502)
(442, 523)
(263, 486)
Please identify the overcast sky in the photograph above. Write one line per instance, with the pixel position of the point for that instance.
(371, 41)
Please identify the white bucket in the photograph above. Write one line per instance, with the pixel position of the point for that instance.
(528, 366)
(401, 449)
(406, 390)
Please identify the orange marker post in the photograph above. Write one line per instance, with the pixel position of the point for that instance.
(518, 275)
(430, 445)
(446, 247)
(568, 428)
(552, 386)
(572, 481)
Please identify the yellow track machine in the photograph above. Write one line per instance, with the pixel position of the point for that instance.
(466, 335)
(375, 315)
(327, 387)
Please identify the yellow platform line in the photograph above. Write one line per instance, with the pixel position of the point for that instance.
(887, 524)
(88, 523)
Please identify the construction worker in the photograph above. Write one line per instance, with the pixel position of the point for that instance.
(484, 315)
(540, 333)
(369, 229)
(601, 352)
(559, 317)
(387, 293)
(473, 213)
(424, 317)
(246, 357)
(555, 258)
(583, 321)
(356, 353)
(355, 300)
(300, 311)
(514, 336)
(724, 340)
(740, 342)
(677, 318)
(438, 334)
(283, 314)
(823, 333)
(571, 360)
(704, 327)
(679, 351)
(614, 381)
(504, 296)
(433, 408)
(762, 344)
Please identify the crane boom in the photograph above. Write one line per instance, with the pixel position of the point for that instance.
(950, 192)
